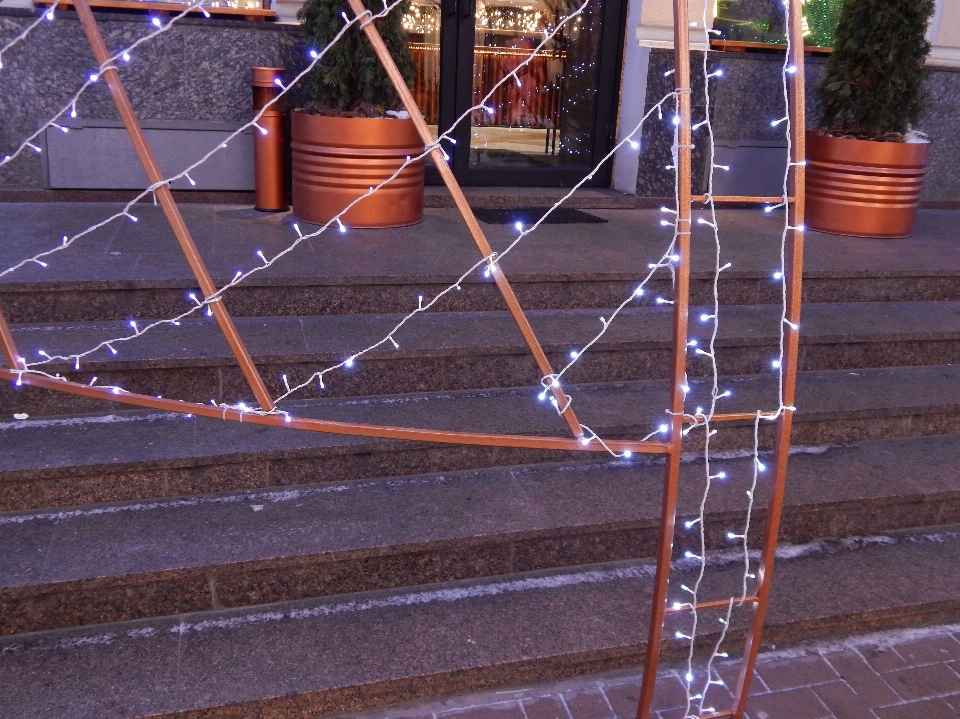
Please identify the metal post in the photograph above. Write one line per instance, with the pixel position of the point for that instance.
(681, 44)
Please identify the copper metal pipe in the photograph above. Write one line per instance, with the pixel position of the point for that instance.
(741, 198)
(681, 39)
(468, 217)
(11, 355)
(269, 148)
(170, 208)
(793, 277)
(713, 604)
(334, 427)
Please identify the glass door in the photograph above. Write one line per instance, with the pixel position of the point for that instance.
(551, 123)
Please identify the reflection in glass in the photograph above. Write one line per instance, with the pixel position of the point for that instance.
(422, 23)
(543, 116)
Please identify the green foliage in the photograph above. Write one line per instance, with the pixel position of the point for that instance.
(822, 17)
(873, 82)
(350, 71)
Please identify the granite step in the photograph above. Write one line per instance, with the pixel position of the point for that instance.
(136, 270)
(94, 301)
(138, 454)
(455, 351)
(122, 561)
(349, 652)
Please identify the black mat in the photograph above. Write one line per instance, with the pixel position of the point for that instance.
(529, 215)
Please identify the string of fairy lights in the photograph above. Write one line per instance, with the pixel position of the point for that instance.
(67, 241)
(112, 63)
(315, 57)
(491, 262)
(46, 16)
(488, 266)
(697, 695)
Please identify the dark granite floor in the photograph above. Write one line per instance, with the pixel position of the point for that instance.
(440, 248)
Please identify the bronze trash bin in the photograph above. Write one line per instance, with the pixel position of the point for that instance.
(269, 141)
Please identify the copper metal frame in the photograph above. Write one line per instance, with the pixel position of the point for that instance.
(16, 369)
(792, 271)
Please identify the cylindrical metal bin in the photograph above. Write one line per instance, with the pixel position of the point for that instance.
(269, 141)
(338, 159)
(863, 188)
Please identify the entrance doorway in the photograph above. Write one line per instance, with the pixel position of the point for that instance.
(551, 125)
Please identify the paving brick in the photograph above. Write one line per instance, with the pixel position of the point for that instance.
(796, 672)
(883, 659)
(548, 707)
(502, 710)
(926, 681)
(926, 709)
(800, 703)
(624, 697)
(868, 685)
(669, 693)
(954, 701)
(928, 650)
(587, 703)
(843, 701)
(731, 673)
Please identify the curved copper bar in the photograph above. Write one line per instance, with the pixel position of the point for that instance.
(333, 427)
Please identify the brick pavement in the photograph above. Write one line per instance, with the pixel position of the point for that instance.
(897, 674)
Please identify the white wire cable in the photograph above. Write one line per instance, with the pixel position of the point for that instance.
(316, 56)
(93, 78)
(490, 261)
(46, 15)
(125, 212)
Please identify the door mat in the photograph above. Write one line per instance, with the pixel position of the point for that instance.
(529, 215)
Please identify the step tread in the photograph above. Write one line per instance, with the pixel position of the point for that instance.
(313, 656)
(124, 255)
(455, 510)
(330, 338)
(137, 438)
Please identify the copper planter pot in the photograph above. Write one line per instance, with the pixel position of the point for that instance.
(863, 188)
(338, 159)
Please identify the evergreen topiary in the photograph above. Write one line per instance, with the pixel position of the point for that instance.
(873, 83)
(350, 72)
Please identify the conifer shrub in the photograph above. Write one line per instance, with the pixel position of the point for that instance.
(350, 75)
(873, 84)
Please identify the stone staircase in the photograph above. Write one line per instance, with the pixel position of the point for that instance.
(159, 565)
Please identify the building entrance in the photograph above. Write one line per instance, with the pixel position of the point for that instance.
(550, 125)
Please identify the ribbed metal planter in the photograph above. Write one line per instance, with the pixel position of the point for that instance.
(335, 160)
(862, 187)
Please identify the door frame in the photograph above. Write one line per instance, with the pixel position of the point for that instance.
(457, 33)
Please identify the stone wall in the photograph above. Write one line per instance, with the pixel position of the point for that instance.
(750, 95)
(199, 70)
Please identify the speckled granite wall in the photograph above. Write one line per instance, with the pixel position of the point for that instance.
(750, 95)
(198, 70)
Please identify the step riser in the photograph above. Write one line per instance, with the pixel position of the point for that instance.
(431, 374)
(115, 599)
(40, 303)
(164, 479)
